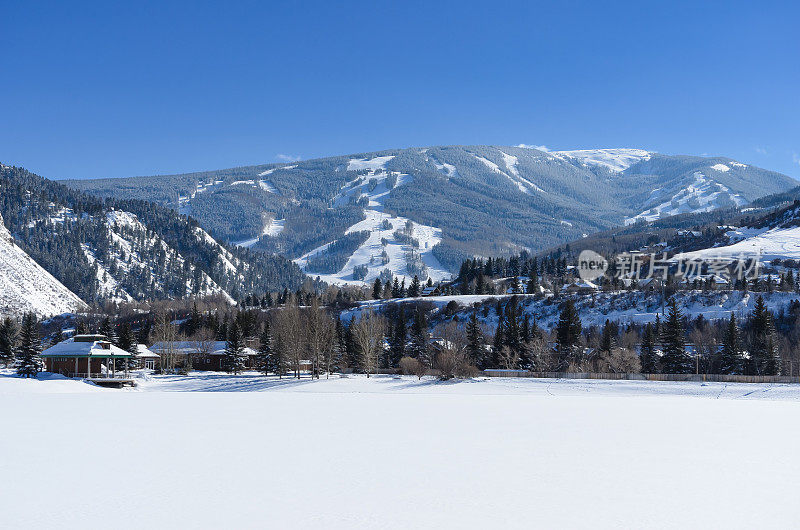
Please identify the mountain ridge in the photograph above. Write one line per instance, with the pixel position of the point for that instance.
(466, 201)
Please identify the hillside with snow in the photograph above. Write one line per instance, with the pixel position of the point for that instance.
(332, 215)
(106, 250)
(775, 236)
(25, 286)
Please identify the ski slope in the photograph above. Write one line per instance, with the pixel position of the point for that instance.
(216, 451)
(615, 160)
(375, 186)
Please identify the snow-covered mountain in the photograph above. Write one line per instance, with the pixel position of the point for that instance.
(25, 286)
(118, 251)
(424, 210)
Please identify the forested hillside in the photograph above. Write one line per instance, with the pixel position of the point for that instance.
(128, 249)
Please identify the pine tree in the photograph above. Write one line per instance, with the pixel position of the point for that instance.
(608, 337)
(568, 329)
(107, 329)
(764, 359)
(498, 343)
(9, 335)
(674, 360)
(266, 357)
(397, 339)
(195, 321)
(419, 347)
(414, 289)
(127, 341)
(475, 342)
(234, 359)
(525, 329)
(647, 355)
(30, 346)
(511, 326)
(395, 288)
(730, 356)
(377, 288)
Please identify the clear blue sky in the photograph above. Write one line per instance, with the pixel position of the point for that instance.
(106, 89)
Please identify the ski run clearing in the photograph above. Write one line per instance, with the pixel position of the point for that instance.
(375, 186)
(211, 450)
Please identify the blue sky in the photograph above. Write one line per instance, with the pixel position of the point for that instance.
(106, 89)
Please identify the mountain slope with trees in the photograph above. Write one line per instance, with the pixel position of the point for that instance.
(121, 250)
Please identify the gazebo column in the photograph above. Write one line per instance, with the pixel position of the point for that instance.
(88, 367)
(76, 367)
(113, 367)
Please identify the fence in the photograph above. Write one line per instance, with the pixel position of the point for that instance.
(713, 378)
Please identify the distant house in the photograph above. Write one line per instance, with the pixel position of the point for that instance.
(84, 356)
(581, 287)
(203, 355)
(433, 290)
(147, 359)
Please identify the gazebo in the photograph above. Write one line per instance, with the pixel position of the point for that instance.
(85, 356)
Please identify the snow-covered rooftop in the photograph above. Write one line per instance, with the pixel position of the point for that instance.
(94, 348)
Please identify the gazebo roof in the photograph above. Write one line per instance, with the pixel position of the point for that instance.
(94, 348)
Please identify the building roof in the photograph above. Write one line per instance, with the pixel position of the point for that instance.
(81, 348)
(184, 347)
(142, 352)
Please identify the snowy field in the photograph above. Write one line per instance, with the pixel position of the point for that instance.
(216, 451)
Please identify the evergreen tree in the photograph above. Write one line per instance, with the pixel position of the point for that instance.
(730, 356)
(395, 288)
(415, 289)
(525, 329)
(195, 321)
(30, 346)
(266, 356)
(647, 355)
(127, 341)
(419, 347)
(608, 337)
(511, 326)
(377, 288)
(475, 342)
(533, 284)
(350, 347)
(397, 339)
(674, 360)
(568, 329)
(9, 335)
(107, 329)
(234, 359)
(498, 342)
(764, 359)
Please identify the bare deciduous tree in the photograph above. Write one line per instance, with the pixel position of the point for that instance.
(166, 333)
(368, 338)
(321, 331)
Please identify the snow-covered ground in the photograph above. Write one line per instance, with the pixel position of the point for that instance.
(394, 452)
